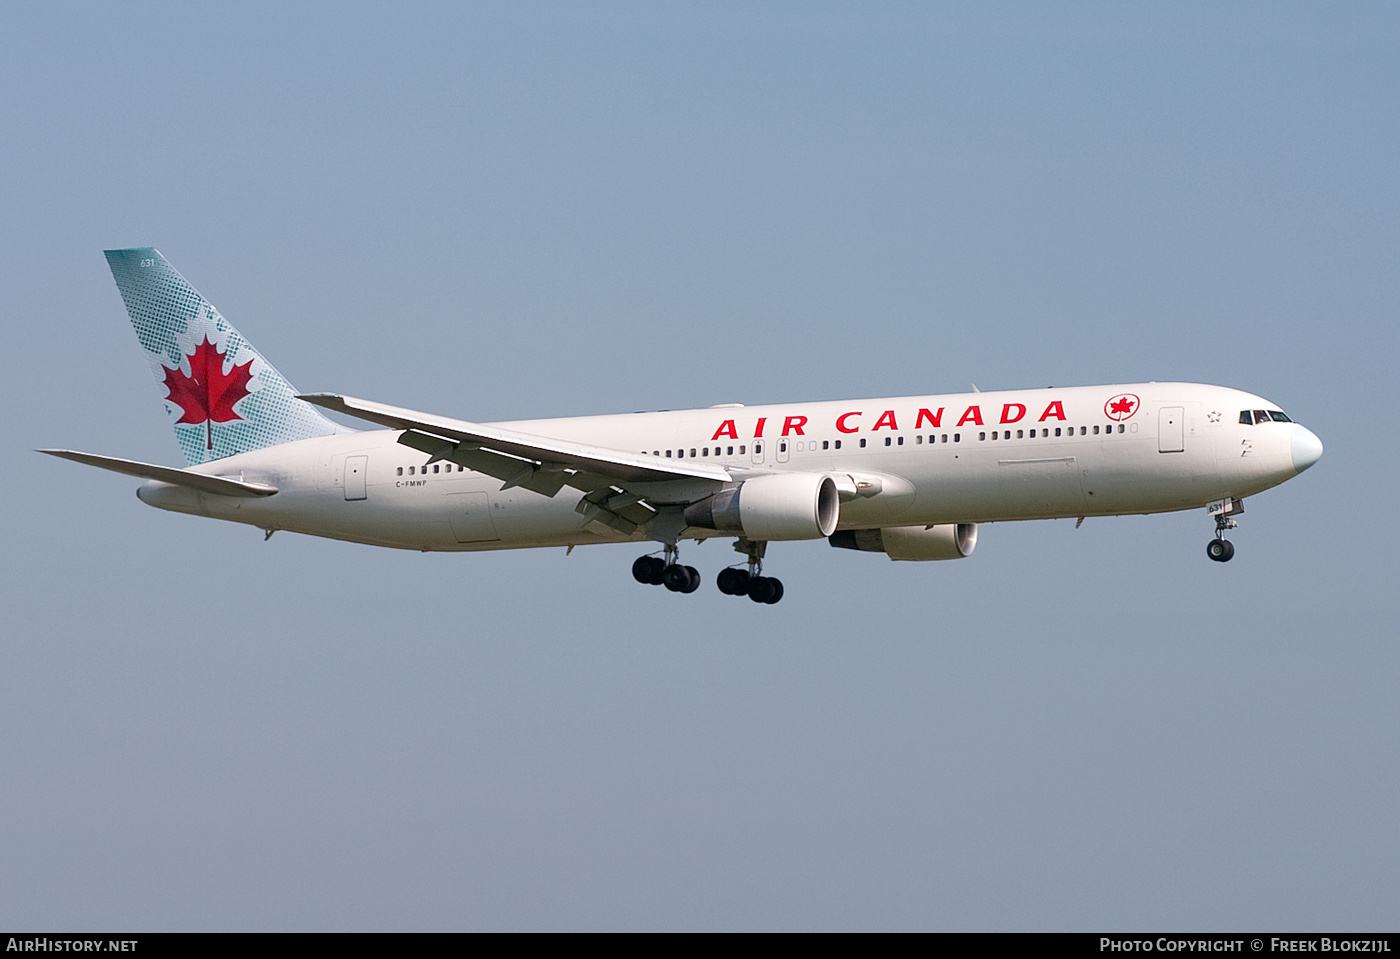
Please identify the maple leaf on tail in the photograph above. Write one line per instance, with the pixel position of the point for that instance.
(207, 395)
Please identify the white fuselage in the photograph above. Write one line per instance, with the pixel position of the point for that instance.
(960, 458)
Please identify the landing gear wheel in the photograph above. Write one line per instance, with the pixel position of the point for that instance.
(681, 579)
(648, 570)
(733, 582)
(676, 578)
(760, 589)
(694, 582)
(765, 589)
(1220, 550)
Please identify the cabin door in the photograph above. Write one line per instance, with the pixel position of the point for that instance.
(1169, 429)
(355, 469)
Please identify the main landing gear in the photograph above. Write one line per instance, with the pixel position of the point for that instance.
(655, 571)
(734, 581)
(747, 582)
(1221, 549)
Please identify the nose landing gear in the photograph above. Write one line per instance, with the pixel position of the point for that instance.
(1221, 549)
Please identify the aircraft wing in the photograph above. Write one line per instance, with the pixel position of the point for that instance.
(200, 481)
(539, 463)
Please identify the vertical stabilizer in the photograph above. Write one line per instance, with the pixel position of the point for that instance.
(223, 397)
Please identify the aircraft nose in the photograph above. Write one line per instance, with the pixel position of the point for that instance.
(1307, 448)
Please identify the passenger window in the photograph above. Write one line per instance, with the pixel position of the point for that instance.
(945, 437)
(741, 450)
(826, 444)
(731, 450)
(838, 444)
(410, 470)
(862, 442)
(400, 471)
(705, 451)
(1096, 430)
(887, 441)
(982, 436)
(957, 437)
(1083, 431)
(1020, 434)
(918, 439)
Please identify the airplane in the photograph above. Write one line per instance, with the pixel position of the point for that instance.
(911, 477)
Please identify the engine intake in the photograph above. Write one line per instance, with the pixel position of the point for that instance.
(948, 541)
(775, 507)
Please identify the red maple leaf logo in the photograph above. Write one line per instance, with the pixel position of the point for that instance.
(207, 395)
(1121, 406)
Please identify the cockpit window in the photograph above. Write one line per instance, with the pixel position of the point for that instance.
(1250, 417)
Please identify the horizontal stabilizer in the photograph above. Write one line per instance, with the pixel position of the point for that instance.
(208, 484)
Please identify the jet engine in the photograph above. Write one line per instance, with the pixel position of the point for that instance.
(775, 507)
(949, 541)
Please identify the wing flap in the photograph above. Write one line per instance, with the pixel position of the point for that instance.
(545, 478)
(546, 453)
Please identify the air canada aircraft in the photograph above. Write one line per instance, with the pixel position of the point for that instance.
(911, 477)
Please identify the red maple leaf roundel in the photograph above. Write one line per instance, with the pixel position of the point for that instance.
(1121, 406)
(207, 394)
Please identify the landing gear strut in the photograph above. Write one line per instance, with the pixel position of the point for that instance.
(748, 582)
(1221, 549)
(655, 571)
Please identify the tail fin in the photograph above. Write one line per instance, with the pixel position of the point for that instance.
(224, 396)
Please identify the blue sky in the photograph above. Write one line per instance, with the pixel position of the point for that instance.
(542, 209)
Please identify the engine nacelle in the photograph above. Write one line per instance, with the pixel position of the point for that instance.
(949, 541)
(774, 507)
